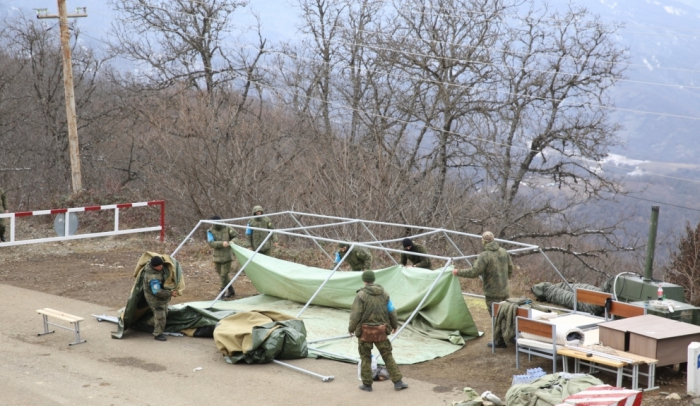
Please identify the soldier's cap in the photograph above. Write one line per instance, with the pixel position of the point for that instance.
(343, 245)
(407, 242)
(258, 209)
(368, 276)
(487, 236)
(155, 261)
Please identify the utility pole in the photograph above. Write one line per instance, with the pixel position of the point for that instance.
(73, 144)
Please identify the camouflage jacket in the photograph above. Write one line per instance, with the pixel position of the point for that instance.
(220, 234)
(256, 237)
(3, 201)
(416, 260)
(163, 295)
(359, 259)
(370, 307)
(495, 267)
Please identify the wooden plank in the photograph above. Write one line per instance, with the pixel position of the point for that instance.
(626, 310)
(534, 327)
(60, 315)
(591, 297)
(593, 358)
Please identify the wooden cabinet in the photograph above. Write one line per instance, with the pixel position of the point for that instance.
(650, 336)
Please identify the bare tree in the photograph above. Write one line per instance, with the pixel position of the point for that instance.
(183, 43)
(38, 118)
(684, 268)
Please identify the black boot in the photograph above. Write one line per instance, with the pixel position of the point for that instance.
(231, 292)
(367, 388)
(160, 337)
(398, 385)
(499, 344)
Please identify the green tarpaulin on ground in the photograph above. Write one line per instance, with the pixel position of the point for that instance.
(443, 315)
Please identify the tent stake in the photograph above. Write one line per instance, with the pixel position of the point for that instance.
(323, 378)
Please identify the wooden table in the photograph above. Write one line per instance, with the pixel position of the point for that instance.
(651, 336)
(620, 362)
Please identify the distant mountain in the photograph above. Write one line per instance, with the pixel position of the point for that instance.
(663, 38)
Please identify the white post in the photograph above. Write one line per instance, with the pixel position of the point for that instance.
(694, 369)
(116, 219)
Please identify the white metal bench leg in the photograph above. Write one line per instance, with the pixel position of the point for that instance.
(565, 363)
(77, 334)
(619, 377)
(46, 326)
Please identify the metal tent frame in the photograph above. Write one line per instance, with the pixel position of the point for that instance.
(333, 222)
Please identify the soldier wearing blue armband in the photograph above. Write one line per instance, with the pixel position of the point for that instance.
(157, 297)
(219, 238)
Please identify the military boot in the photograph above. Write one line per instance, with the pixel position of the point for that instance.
(367, 388)
(499, 344)
(398, 385)
(231, 292)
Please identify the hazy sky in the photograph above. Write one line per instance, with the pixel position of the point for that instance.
(278, 18)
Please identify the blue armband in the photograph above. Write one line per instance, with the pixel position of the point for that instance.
(155, 286)
(248, 231)
(210, 236)
(337, 258)
(390, 306)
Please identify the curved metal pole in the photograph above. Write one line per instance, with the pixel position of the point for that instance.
(240, 270)
(356, 360)
(306, 371)
(380, 244)
(186, 238)
(415, 311)
(326, 281)
(330, 339)
(455, 246)
(555, 268)
(309, 234)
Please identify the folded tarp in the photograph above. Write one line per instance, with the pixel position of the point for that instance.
(258, 337)
(549, 390)
(443, 315)
(322, 322)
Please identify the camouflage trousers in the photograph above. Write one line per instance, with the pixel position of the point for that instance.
(2, 228)
(160, 314)
(384, 348)
(223, 269)
(489, 301)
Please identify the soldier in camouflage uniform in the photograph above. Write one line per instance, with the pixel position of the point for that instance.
(417, 260)
(495, 268)
(219, 238)
(373, 307)
(158, 302)
(3, 209)
(256, 237)
(359, 259)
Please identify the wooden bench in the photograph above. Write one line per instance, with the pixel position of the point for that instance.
(533, 347)
(622, 363)
(74, 320)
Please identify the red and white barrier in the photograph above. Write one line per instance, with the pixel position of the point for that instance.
(116, 207)
(605, 395)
